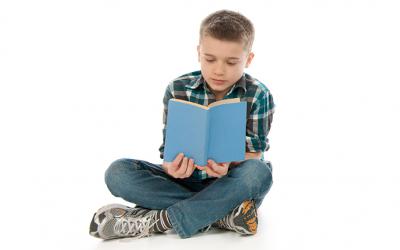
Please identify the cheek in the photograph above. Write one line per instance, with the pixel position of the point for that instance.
(235, 72)
(205, 68)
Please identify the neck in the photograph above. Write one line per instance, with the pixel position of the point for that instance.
(219, 97)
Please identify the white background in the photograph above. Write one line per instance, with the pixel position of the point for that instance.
(81, 85)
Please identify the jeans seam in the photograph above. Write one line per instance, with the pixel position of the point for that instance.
(175, 225)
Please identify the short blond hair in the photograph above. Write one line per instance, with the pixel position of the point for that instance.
(228, 25)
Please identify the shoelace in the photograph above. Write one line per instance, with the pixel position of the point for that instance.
(135, 227)
(227, 221)
(204, 230)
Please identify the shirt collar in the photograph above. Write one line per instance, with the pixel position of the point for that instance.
(241, 83)
(199, 81)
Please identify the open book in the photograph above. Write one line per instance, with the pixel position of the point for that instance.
(216, 132)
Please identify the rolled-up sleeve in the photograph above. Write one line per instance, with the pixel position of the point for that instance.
(168, 95)
(259, 122)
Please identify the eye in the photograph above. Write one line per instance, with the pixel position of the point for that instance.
(210, 60)
(231, 63)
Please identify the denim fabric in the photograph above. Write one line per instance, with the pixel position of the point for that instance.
(191, 204)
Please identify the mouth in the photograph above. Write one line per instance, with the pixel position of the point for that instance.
(218, 81)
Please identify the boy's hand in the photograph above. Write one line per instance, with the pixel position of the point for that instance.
(181, 167)
(215, 169)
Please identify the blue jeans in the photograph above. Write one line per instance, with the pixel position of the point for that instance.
(191, 204)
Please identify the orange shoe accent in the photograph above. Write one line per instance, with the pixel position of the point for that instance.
(252, 224)
(247, 206)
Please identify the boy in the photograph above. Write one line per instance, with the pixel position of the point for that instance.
(180, 195)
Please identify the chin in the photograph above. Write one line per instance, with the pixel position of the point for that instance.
(218, 87)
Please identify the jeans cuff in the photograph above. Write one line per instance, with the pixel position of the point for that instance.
(175, 225)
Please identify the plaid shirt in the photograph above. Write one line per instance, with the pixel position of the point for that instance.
(260, 107)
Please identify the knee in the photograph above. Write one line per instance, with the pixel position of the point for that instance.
(257, 174)
(115, 172)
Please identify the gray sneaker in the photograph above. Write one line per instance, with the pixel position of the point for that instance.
(119, 221)
(243, 219)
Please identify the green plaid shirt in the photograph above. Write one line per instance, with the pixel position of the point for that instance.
(260, 107)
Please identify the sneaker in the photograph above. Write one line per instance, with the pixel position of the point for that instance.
(243, 219)
(119, 221)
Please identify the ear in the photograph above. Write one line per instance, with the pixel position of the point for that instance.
(198, 53)
(249, 59)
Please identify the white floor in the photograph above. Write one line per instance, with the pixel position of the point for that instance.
(321, 199)
(74, 97)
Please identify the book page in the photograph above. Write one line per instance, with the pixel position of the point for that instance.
(186, 132)
(217, 103)
(225, 101)
(190, 103)
(227, 134)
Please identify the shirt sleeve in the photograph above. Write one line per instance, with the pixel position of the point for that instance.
(168, 95)
(259, 123)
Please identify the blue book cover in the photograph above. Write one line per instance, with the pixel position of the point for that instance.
(216, 132)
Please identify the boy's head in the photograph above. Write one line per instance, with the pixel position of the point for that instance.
(224, 49)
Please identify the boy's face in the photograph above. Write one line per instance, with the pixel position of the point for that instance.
(222, 63)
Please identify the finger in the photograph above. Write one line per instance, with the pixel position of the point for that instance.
(190, 168)
(177, 160)
(226, 164)
(216, 167)
(182, 168)
(212, 173)
(222, 164)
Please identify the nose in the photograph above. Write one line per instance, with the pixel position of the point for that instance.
(219, 69)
